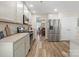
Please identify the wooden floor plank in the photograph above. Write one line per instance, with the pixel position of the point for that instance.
(43, 48)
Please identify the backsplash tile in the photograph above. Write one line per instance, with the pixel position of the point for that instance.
(13, 27)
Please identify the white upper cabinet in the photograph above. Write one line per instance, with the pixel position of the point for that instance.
(19, 15)
(7, 10)
(27, 13)
(11, 11)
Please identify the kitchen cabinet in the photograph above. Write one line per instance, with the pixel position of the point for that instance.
(27, 43)
(7, 11)
(27, 15)
(19, 48)
(26, 12)
(11, 11)
(19, 13)
(14, 11)
(17, 45)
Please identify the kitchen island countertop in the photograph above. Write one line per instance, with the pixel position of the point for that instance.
(13, 38)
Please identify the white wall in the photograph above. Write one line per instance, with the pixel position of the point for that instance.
(33, 22)
(68, 27)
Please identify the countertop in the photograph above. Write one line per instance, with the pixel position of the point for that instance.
(13, 38)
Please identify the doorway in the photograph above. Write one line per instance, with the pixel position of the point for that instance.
(40, 28)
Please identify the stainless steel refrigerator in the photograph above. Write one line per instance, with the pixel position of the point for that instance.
(54, 30)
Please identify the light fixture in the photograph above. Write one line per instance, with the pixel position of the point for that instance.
(19, 4)
(26, 11)
(34, 12)
(55, 10)
(31, 5)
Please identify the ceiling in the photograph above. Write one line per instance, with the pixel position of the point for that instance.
(46, 7)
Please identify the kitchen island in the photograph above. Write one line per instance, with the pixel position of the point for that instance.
(16, 45)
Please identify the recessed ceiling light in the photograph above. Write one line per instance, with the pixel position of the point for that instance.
(34, 12)
(31, 5)
(55, 10)
(19, 5)
(26, 11)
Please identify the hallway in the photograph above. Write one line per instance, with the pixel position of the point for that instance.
(43, 48)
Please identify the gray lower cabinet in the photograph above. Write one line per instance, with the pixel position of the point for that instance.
(27, 44)
(18, 48)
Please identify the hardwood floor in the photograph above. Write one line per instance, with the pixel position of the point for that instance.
(43, 48)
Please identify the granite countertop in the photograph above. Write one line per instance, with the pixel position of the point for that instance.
(13, 38)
